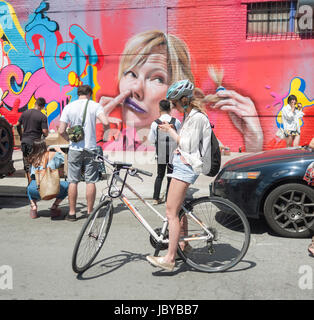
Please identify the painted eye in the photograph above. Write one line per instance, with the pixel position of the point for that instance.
(158, 79)
(130, 74)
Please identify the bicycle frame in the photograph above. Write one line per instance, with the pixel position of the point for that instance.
(159, 238)
(138, 215)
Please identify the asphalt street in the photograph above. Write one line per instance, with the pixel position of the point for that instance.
(35, 256)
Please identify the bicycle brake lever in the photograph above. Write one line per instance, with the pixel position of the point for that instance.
(133, 173)
(137, 176)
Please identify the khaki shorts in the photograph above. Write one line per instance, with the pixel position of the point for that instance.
(78, 160)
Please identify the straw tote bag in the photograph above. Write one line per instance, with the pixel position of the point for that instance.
(48, 181)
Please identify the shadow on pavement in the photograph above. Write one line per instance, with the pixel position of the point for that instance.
(110, 264)
(10, 192)
(9, 202)
(115, 262)
(260, 226)
(183, 267)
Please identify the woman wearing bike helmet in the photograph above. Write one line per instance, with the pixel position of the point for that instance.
(187, 162)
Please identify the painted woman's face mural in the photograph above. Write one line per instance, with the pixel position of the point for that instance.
(148, 84)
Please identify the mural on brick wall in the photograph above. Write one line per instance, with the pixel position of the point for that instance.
(130, 56)
(36, 62)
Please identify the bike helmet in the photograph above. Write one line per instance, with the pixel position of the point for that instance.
(179, 89)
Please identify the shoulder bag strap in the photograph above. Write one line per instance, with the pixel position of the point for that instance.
(84, 114)
(173, 121)
(158, 121)
(46, 160)
(44, 169)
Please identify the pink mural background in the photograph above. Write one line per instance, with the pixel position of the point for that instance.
(48, 50)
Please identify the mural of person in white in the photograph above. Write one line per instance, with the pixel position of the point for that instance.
(291, 116)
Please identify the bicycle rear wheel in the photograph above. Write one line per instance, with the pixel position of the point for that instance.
(229, 226)
(92, 236)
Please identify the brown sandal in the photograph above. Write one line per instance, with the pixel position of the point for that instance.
(55, 212)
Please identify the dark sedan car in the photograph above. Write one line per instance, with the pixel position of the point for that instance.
(271, 183)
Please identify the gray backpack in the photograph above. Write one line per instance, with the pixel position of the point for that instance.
(165, 145)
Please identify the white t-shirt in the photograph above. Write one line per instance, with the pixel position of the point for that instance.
(72, 114)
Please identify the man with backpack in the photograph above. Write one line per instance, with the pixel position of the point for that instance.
(165, 145)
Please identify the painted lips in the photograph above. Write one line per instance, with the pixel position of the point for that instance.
(133, 105)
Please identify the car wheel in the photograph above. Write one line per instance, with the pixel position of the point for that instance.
(289, 210)
(6, 142)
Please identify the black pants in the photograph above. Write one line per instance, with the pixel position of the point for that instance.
(161, 170)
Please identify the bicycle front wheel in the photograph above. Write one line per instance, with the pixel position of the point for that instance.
(229, 227)
(92, 236)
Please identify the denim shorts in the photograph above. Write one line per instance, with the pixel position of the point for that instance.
(78, 159)
(33, 193)
(182, 171)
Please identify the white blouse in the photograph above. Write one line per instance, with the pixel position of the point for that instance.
(195, 135)
(290, 120)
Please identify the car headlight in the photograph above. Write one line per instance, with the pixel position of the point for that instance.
(234, 175)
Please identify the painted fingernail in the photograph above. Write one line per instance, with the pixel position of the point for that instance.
(220, 88)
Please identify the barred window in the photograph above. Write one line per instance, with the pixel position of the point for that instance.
(279, 19)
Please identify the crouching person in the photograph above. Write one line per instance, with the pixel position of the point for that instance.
(38, 157)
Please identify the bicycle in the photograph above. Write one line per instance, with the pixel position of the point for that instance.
(216, 229)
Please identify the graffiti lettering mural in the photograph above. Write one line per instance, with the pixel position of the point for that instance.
(38, 63)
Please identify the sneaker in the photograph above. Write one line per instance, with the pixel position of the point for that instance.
(70, 217)
(159, 262)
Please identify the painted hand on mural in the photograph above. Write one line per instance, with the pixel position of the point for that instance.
(110, 104)
(244, 116)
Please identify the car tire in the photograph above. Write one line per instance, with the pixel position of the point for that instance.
(6, 142)
(288, 210)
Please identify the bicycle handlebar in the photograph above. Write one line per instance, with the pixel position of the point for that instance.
(119, 164)
(136, 170)
(146, 173)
